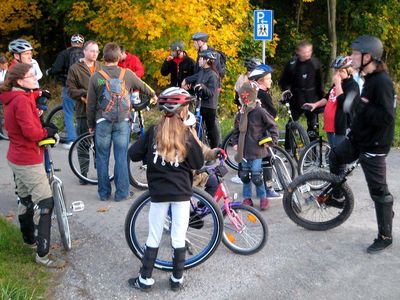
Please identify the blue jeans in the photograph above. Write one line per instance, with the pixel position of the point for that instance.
(118, 134)
(69, 110)
(255, 169)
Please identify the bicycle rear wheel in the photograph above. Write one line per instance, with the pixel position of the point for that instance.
(250, 233)
(298, 139)
(315, 157)
(61, 213)
(82, 159)
(137, 174)
(56, 116)
(202, 238)
(314, 209)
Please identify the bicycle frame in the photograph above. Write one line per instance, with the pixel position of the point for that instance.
(199, 117)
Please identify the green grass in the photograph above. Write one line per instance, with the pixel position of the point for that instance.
(20, 277)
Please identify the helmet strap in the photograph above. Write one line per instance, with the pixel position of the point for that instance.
(362, 64)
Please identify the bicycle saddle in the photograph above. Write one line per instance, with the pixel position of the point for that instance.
(48, 141)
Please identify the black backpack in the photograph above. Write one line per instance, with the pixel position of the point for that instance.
(221, 63)
(75, 54)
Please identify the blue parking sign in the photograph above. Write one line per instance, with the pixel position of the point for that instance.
(263, 24)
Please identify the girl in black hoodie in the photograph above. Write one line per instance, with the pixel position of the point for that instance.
(172, 153)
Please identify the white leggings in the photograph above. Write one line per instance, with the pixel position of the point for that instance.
(180, 222)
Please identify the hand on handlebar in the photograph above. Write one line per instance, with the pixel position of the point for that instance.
(154, 100)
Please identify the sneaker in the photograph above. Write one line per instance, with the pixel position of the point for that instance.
(105, 198)
(175, 284)
(236, 179)
(264, 204)
(247, 202)
(32, 246)
(140, 283)
(270, 193)
(50, 262)
(379, 244)
(67, 146)
(335, 202)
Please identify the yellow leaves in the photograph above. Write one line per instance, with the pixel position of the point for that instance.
(18, 14)
(79, 11)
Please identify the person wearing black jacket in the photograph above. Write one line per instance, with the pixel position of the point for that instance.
(371, 134)
(206, 84)
(60, 68)
(172, 152)
(303, 77)
(178, 64)
(336, 121)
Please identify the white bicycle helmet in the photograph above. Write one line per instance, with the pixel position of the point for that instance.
(341, 62)
(19, 46)
(77, 38)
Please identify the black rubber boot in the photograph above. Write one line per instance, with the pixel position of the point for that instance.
(44, 226)
(178, 264)
(144, 280)
(384, 218)
(26, 221)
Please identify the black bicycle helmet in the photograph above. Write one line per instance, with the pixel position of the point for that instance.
(368, 44)
(19, 45)
(260, 71)
(208, 54)
(341, 62)
(177, 46)
(200, 36)
(77, 38)
(173, 98)
(252, 63)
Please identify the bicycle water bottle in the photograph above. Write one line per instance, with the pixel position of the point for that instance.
(135, 126)
(134, 97)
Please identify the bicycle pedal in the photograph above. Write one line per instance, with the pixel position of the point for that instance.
(77, 206)
(57, 170)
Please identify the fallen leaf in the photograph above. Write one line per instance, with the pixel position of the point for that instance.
(102, 209)
(55, 246)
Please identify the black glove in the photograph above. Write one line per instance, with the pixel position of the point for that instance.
(51, 129)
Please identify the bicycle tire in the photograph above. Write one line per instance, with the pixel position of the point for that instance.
(137, 174)
(61, 213)
(82, 159)
(253, 232)
(56, 116)
(314, 213)
(136, 231)
(310, 158)
(298, 139)
(228, 147)
(282, 173)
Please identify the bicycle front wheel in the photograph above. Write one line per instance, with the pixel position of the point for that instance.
(82, 159)
(316, 209)
(298, 139)
(61, 213)
(245, 230)
(56, 116)
(228, 147)
(202, 238)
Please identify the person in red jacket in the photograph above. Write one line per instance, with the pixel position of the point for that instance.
(25, 159)
(130, 61)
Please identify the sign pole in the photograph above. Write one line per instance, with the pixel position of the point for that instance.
(263, 51)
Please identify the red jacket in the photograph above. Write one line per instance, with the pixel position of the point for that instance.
(23, 127)
(132, 62)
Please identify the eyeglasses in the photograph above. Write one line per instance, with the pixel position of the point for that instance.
(30, 76)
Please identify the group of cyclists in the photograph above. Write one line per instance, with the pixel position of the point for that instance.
(359, 118)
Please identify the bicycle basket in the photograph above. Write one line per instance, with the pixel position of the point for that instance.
(221, 171)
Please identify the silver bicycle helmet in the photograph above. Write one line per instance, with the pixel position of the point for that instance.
(341, 62)
(19, 45)
(208, 54)
(173, 98)
(177, 46)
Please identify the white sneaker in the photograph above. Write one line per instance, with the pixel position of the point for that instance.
(67, 146)
(236, 179)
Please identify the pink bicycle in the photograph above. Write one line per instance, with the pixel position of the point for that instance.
(245, 230)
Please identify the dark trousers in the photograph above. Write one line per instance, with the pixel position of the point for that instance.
(83, 149)
(374, 167)
(312, 122)
(209, 116)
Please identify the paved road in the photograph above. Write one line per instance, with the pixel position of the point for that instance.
(295, 264)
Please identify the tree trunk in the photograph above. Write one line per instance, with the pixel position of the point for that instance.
(299, 15)
(331, 4)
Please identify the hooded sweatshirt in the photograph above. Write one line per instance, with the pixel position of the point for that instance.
(23, 127)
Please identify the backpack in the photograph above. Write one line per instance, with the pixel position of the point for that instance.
(221, 65)
(114, 101)
(75, 54)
